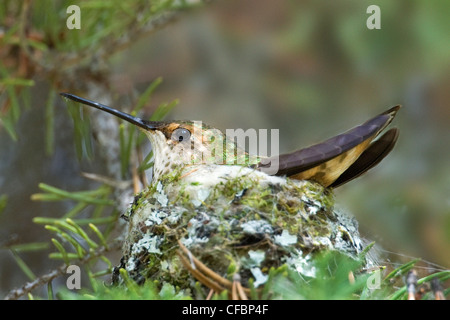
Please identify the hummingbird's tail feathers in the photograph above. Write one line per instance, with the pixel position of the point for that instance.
(325, 162)
(376, 152)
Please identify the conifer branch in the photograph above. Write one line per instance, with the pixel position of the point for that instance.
(58, 272)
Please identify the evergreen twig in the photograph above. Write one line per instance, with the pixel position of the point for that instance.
(58, 272)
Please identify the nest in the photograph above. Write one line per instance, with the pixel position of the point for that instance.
(238, 224)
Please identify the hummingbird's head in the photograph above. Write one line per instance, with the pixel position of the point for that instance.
(177, 144)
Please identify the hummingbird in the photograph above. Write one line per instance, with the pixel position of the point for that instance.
(213, 212)
(331, 163)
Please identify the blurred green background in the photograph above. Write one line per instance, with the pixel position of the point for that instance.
(311, 69)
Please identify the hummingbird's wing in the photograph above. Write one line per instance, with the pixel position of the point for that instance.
(341, 158)
(376, 151)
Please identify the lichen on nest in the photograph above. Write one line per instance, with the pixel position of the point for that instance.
(234, 220)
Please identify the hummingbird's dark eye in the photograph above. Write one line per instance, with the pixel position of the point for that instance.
(181, 135)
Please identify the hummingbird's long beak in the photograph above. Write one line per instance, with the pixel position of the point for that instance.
(147, 125)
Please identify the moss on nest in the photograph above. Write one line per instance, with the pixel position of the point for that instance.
(245, 223)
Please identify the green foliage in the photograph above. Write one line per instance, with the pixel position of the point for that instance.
(82, 130)
(36, 32)
(22, 265)
(3, 201)
(11, 111)
(331, 280)
(340, 277)
(98, 196)
(83, 236)
(129, 291)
